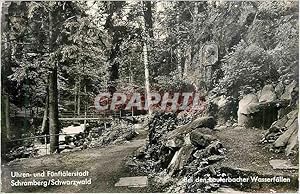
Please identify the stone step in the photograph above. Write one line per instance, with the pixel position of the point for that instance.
(138, 181)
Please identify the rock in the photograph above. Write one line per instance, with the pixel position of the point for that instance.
(290, 122)
(228, 190)
(293, 141)
(140, 152)
(203, 122)
(243, 108)
(199, 154)
(130, 135)
(278, 125)
(292, 114)
(261, 114)
(288, 92)
(279, 89)
(180, 159)
(267, 94)
(226, 108)
(138, 181)
(176, 142)
(200, 139)
(244, 103)
(284, 138)
(214, 147)
(282, 165)
(215, 158)
(187, 139)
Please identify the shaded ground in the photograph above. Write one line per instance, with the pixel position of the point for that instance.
(106, 166)
(244, 152)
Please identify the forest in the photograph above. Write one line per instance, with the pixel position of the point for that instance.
(240, 57)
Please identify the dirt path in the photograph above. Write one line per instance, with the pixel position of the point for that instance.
(244, 151)
(105, 165)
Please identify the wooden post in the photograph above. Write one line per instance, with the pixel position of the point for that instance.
(78, 97)
(45, 142)
(85, 107)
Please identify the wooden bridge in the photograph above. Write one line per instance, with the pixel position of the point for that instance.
(90, 115)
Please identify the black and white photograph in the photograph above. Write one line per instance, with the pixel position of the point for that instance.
(149, 96)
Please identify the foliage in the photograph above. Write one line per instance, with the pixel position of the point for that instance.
(268, 52)
(99, 42)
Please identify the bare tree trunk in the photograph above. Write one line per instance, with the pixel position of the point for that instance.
(53, 94)
(7, 119)
(147, 84)
(75, 99)
(85, 108)
(78, 97)
(187, 61)
(45, 123)
(148, 29)
(178, 51)
(53, 111)
(178, 56)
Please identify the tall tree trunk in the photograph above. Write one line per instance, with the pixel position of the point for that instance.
(148, 29)
(6, 114)
(178, 56)
(45, 123)
(4, 131)
(53, 94)
(78, 97)
(85, 107)
(187, 61)
(178, 51)
(53, 111)
(75, 99)
(147, 84)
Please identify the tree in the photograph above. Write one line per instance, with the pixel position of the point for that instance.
(148, 33)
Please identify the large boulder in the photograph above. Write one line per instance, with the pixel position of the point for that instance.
(199, 123)
(226, 108)
(292, 116)
(180, 159)
(243, 110)
(278, 125)
(267, 94)
(288, 92)
(245, 102)
(208, 122)
(284, 138)
(279, 89)
(176, 142)
(292, 143)
(261, 114)
(200, 139)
